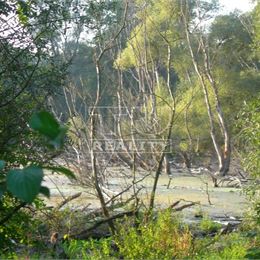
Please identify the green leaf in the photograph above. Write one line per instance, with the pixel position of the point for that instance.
(47, 125)
(2, 164)
(61, 169)
(45, 191)
(25, 183)
(22, 12)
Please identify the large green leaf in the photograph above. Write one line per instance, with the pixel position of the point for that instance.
(25, 183)
(61, 169)
(46, 124)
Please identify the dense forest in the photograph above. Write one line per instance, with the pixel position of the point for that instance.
(129, 129)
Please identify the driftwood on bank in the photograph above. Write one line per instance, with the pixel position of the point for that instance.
(87, 233)
(67, 200)
(180, 208)
(98, 212)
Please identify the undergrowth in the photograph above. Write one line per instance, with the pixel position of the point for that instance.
(163, 236)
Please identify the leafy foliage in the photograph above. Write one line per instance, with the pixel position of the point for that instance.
(25, 183)
(146, 62)
(256, 22)
(209, 226)
(233, 246)
(162, 238)
(23, 223)
(249, 125)
(47, 125)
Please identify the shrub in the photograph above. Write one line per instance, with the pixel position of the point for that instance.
(249, 126)
(232, 246)
(209, 226)
(21, 229)
(162, 238)
(90, 249)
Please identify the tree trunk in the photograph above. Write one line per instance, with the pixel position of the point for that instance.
(160, 164)
(186, 159)
(167, 164)
(223, 158)
(226, 155)
(95, 173)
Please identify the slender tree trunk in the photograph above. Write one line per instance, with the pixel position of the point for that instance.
(169, 55)
(207, 101)
(226, 155)
(95, 173)
(188, 154)
(186, 159)
(119, 128)
(160, 164)
(167, 165)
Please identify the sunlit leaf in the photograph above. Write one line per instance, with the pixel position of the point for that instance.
(47, 125)
(22, 10)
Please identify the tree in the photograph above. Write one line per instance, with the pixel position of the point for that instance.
(30, 73)
(256, 20)
(248, 124)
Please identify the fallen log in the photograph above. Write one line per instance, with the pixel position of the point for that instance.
(185, 206)
(180, 208)
(87, 233)
(67, 200)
